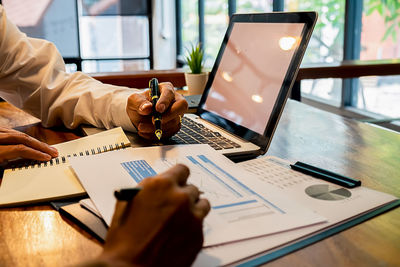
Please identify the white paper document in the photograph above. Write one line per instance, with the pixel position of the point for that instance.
(334, 202)
(242, 206)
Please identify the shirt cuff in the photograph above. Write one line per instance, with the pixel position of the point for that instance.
(118, 110)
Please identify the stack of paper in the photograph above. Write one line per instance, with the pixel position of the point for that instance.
(242, 207)
(257, 206)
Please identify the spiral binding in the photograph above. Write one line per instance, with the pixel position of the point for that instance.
(63, 159)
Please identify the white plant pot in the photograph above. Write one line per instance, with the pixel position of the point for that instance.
(196, 82)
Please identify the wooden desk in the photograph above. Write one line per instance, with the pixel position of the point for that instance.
(38, 235)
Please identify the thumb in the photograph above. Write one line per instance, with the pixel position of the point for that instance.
(139, 103)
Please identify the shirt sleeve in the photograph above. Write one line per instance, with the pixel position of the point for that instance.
(33, 78)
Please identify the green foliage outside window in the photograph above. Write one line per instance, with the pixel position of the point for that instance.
(390, 11)
(326, 44)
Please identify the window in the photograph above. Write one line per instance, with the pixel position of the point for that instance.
(216, 21)
(380, 39)
(380, 30)
(91, 35)
(55, 21)
(190, 25)
(371, 31)
(326, 46)
(248, 6)
(205, 22)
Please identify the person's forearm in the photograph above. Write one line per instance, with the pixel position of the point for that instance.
(33, 78)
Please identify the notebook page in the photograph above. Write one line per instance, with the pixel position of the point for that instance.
(55, 179)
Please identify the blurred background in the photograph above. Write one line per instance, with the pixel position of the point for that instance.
(128, 35)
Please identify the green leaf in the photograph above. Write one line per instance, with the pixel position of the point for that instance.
(388, 32)
(394, 34)
(194, 59)
(380, 9)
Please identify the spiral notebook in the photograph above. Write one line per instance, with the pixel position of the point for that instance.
(53, 180)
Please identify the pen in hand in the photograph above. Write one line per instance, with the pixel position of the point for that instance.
(126, 194)
(155, 95)
(124, 197)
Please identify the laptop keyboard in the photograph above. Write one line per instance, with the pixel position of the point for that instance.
(195, 133)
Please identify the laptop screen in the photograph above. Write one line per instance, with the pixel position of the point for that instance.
(251, 72)
(254, 71)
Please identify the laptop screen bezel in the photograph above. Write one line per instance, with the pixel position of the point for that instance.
(263, 141)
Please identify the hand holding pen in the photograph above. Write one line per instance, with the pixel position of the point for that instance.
(157, 223)
(171, 105)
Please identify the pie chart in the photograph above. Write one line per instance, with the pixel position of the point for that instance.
(327, 192)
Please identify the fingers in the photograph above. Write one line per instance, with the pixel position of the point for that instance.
(178, 174)
(147, 126)
(140, 102)
(30, 142)
(10, 152)
(178, 108)
(23, 145)
(171, 105)
(193, 192)
(202, 208)
(167, 97)
(146, 130)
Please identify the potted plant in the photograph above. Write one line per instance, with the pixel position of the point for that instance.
(196, 79)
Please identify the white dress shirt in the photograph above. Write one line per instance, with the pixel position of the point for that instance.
(33, 78)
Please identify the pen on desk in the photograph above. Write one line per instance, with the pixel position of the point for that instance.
(127, 194)
(155, 95)
(325, 175)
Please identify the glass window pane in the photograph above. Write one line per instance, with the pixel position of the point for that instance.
(380, 94)
(92, 66)
(324, 90)
(249, 6)
(326, 44)
(190, 24)
(114, 36)
(380, 35)
(114, 7)
(55, 21)
(216, 21)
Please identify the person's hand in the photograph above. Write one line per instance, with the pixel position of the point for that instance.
(161, 226)
(171, 105)
(14, 145)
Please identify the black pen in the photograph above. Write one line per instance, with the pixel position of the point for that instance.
(325, 175)
(155, 95)
(127, 194)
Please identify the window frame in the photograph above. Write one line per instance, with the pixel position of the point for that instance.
(351, 48)
(351, 45)
(78, 60)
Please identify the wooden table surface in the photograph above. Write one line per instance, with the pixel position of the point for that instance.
(38, 235)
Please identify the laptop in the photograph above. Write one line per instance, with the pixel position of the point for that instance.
(249, 84)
